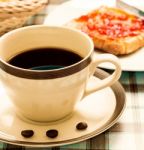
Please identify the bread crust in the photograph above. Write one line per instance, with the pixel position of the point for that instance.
(117, 46)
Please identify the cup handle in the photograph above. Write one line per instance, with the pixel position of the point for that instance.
(108, 81)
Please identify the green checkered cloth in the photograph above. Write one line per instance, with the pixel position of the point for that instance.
(126, 134)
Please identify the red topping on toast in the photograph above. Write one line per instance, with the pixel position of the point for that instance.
(112, 25)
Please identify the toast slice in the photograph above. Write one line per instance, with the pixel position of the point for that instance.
(112, 30)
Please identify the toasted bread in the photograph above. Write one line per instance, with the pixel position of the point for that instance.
(112, 30)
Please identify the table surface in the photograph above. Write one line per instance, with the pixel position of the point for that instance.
(128, 132)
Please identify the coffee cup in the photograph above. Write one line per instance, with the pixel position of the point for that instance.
(45, 70)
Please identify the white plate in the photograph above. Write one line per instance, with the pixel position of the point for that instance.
(74, 8)
(96, 110)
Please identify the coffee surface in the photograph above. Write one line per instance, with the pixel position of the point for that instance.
(45, 59)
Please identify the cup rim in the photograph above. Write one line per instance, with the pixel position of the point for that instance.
(47, 74)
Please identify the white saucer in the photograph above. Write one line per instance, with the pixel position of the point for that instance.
(99, 110)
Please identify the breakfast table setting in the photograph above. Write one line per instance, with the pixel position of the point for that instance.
(109, 119)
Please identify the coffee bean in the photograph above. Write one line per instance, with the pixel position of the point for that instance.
(81, 126)
(27, 133)
(52, 133)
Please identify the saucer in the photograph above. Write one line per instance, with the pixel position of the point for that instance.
(99, 110)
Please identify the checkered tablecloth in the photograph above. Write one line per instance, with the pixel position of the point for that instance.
(127, 133)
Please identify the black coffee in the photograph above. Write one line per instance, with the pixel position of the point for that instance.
(45, 59)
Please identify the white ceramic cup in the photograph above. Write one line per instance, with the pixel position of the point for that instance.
(50, 95)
